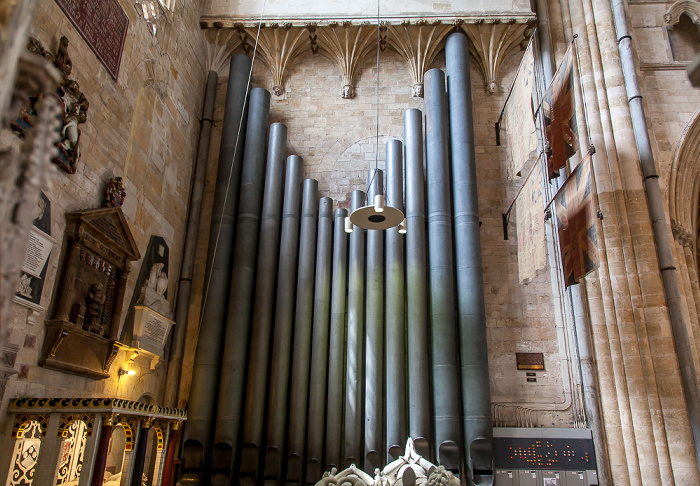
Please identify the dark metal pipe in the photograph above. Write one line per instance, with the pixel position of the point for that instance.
(336, 343)
(263, 310)
(445, 352)
(207, 361)
(284, 320)
(235, 355)
(184, 288)
(319, 342)
(395, 310)
(419, 413)
(301, 358)
(356, 331)
(374, 336)
(476, 396)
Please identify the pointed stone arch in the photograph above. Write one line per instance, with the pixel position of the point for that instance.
(684, 178)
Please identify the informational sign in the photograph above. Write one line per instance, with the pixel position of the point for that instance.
(38, 249)
(150, 330)
(103, 25)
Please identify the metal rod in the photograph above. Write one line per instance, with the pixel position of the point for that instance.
(319, 342)
(207, 361)
(356, 330)
(476, 397)
(301, 358)
(444, 342)
(395, 312)
(263, 310)
(184, 288)
(284, 320)
(336, 344)
(419, 411)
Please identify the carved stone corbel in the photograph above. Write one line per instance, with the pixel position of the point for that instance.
(279, 47)
(418, 45)
(348, 46)
(491, 44)
(222, 44)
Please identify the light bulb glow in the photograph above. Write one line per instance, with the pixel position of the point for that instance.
(403, 227)
(348, 225)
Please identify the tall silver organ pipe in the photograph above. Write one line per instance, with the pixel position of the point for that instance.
(476, 396)
(319, 342)
(417, 319)
(443, 326)
(395, 369)
(301, 359)
(354, 400)
(284, 320)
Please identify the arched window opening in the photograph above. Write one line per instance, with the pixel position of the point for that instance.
(115, 457)
(684, 38)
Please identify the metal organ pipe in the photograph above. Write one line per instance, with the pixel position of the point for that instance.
(184, 288)
(205, 375)
(445, 357)
(319, 342)
(374, 337)
(234, 359)
(284, 320)
(263, 311)
(476, 396)
(355, 357)
(395, 310)
(336, 344)
(299, 387)
(420, 425)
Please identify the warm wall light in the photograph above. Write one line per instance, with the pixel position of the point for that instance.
(123, 372)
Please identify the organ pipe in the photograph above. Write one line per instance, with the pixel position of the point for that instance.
(374, 337)
(299, 387)
(476, 396)
(205, 375)
(355, 357)
(319, 341)
(419, 411)
(336, 344)
(284, 320)
(395, 371)
(445, 365)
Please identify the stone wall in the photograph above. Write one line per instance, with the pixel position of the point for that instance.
(144, 128)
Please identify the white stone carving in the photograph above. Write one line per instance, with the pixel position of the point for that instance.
(411, 469)
(688, 7)
(153, 291)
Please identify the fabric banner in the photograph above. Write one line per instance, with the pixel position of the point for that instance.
(575, 209)
(529, 221)
(518, 120)
(559, 112)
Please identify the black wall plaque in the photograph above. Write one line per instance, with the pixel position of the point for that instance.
(103, 25)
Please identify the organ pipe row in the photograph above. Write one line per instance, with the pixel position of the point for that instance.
(320, 349)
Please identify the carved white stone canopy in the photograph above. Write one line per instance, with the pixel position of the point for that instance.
(408, 470)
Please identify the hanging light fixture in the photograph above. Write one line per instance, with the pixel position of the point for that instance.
(377, 216)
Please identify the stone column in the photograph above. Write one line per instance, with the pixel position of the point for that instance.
(141, 444)
(170, 453)
(98, 470)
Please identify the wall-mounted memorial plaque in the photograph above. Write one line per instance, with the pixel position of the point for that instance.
(103, 25)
